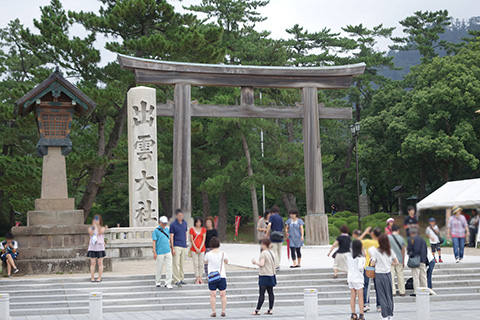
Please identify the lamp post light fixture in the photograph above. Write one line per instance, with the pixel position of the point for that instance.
(355, 130)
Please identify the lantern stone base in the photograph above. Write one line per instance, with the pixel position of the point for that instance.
(316, 227)
(55, 204)
(57, 217)
(54, 249)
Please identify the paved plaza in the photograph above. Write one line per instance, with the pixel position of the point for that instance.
(404, 311)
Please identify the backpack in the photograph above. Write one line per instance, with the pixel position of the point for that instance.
(409, 284)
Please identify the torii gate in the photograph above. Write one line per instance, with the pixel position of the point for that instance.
(183, 76)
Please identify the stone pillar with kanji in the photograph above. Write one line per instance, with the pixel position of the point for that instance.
(142, 157)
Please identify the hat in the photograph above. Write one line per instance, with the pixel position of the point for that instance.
(163, 219)
(432, 219)
(456, 209)
(390, 220)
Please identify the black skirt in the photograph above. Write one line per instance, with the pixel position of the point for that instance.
(267, 281)
(96, 254)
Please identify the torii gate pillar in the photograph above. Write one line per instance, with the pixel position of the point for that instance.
(316, 219)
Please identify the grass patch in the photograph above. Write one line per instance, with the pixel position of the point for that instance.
(245, 233)
(1, 239)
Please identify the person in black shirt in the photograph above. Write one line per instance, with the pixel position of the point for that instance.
(343, 242)
(410, 221)
(211, 232)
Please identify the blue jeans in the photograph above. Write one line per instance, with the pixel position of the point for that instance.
(458, 247)
(366, 289)
(431, 265)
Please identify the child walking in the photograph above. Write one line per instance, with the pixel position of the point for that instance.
(356, 263)
(433, 233)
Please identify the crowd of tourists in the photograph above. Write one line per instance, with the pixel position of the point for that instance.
(371, 257)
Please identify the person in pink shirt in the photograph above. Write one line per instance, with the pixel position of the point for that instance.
(96, 247)
(388, 228)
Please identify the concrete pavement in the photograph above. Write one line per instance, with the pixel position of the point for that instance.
(439, 311)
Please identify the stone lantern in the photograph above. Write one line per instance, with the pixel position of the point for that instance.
(55, 237)
(54, 102)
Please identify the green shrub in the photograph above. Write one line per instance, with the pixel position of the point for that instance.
(339, 222)
(343, 214)
(352, 219)
(381, 216)
(352, 226)
(333, 231)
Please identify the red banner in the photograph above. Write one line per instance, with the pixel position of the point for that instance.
(237, 224)
(17, 223)
(216, 222)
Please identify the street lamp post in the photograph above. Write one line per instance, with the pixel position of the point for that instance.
(355, 130)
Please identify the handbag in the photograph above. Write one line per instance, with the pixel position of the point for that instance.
(276, 236)
(413, 260)
(216, 276)
(370, 271)
(440, 239)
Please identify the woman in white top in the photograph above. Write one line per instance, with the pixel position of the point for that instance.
(382, 259)
(356, 264)
(216, 261)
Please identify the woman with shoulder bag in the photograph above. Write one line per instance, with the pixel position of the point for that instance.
(217, 277)
(382, 258)
(266, 279)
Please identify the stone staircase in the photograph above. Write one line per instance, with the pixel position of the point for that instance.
(138, 293)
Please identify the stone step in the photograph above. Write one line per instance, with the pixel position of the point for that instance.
(444, 268)
(165, 297)
(204, 306)
(11, 286)
(252, 284)
(138, 293)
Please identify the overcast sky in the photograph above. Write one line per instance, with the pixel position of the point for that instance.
(314, 15)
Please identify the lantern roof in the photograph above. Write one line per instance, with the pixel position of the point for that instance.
(54, 86)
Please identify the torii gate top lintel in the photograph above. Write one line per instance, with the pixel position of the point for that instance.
(166, 72)
(182, 109)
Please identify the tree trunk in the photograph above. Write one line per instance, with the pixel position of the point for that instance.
(422, 188)
(289, 201)
(253, 190)
(164, 201)
(206, 205)
(222, 215)
(99, 171)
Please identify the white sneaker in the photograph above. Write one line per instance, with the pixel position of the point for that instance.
(169, 286)
(457, 261)
(366, 308)
(460, 260)
(432, 293)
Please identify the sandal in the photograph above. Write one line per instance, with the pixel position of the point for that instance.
(335, 276)
(255, 313)
(213, 315)
(269, 312)
(354, 316)
(223, 314)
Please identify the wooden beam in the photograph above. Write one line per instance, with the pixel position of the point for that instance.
(250, 111)
(239, 80)
(247, 96)
(182, 185)
(133, 63)
(317, 222)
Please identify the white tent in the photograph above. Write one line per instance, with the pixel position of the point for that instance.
(463, 193)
